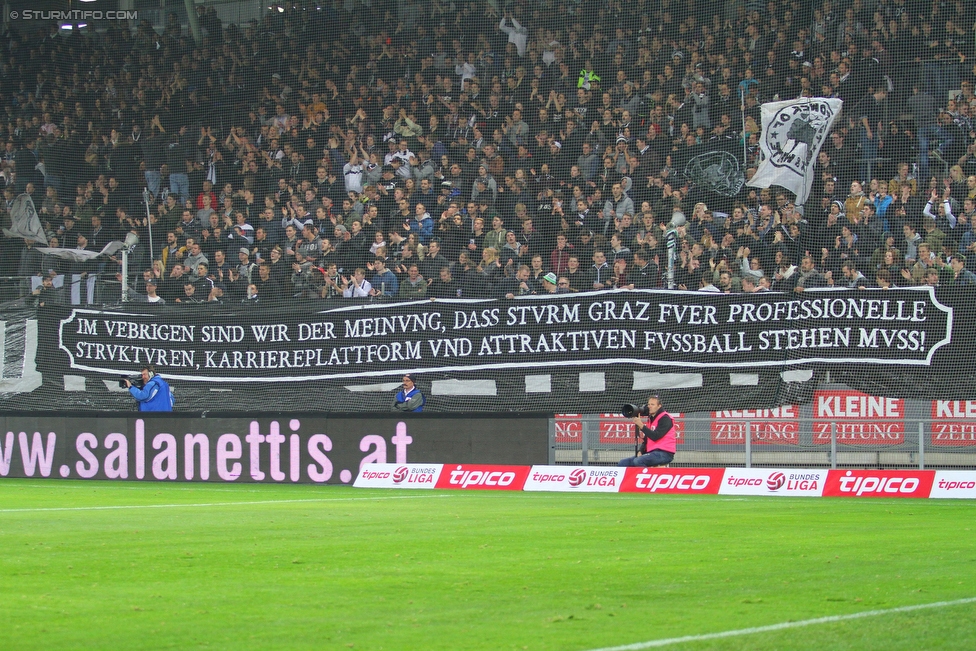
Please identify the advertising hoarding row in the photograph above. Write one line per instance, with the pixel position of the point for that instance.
(774, 482)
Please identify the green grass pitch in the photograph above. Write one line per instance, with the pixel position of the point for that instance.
(91, 565)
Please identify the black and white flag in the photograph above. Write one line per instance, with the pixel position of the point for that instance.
(792, 133)
(24, 222)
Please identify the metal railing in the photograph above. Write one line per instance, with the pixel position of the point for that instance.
(705, 441)
(76, 290)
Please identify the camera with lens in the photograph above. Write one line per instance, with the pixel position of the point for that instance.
(633, 410)
(136, 381)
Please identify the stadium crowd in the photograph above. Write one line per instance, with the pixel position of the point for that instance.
(407, 149)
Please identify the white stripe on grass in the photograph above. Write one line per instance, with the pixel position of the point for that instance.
(156, 487)
(58, 484)
(213, 504)
(785, 625)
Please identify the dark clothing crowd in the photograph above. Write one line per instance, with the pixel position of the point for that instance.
(404, 150)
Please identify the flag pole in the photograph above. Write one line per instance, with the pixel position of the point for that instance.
(125, 275)
(742, 113)
(145, 199)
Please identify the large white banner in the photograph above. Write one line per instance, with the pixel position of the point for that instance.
(792, 133)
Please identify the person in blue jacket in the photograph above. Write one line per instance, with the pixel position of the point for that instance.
(155, 394)
(409, 398)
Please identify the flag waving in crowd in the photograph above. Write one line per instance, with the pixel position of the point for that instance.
(24, 221)
(792, 134)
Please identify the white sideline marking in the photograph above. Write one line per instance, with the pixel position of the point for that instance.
(178, 506)
(199, 486)
(71, 483)
(785, 625)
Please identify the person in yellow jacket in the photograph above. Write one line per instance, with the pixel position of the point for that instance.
(855, 200)
(587, 77)
(172, 251)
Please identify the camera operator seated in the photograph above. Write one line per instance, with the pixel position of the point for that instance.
(656, 439)
(154, 394)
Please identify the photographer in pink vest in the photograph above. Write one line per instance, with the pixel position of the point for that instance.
(656, 438)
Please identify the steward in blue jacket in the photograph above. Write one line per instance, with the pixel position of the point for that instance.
(409, 398)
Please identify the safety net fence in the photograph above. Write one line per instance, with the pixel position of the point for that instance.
(543, 207)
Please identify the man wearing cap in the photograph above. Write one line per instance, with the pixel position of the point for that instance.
(67, 230)
(447, 189)
(657, 438)
(443, 285)
(399, 167)
(549, 282)
(171, 286)
(409, 398)
(617, 205)
(245, 268)
(47, 293)
(245, 231)
(387, 180)
(558, 163)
